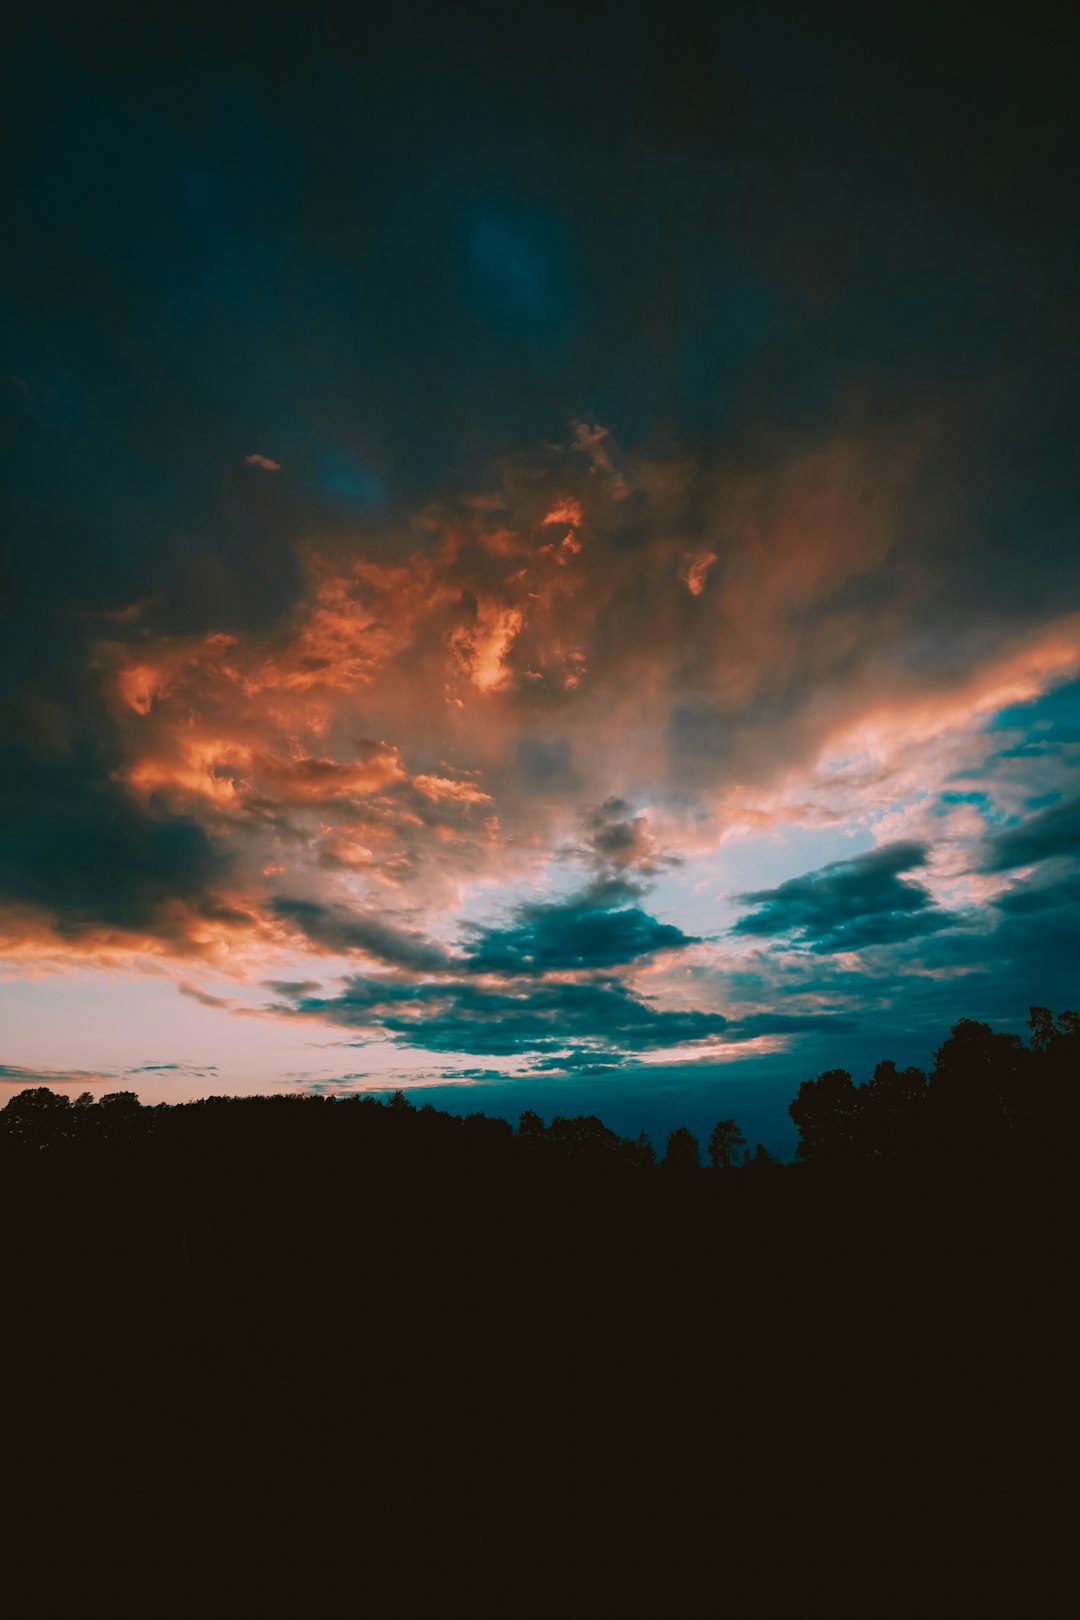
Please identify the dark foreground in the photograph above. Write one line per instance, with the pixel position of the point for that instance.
(474, 1376)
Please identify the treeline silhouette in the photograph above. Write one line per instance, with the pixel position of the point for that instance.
(988, 1098)
(376, 1134)
(448, 1338)
(988, 1095)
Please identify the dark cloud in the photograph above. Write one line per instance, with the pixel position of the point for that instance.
(337, 928)
(1025, 899)
(616, 837)
(457, 1016)
(581, 1060)
(848, 904)
(593, 929)
(1020, 950)
(546, 764)
(1044, 836)
(79, 852)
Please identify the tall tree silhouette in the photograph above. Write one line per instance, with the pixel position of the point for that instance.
(683, 1152)
(585, 1139)
(827, 1112)
(1057, 1044)
(38, 1118)
(638, 1152)
(531, 1129)
(725, 1140)
(893, 1112)
(981, 1090)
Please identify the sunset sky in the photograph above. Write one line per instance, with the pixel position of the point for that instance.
(540, 558)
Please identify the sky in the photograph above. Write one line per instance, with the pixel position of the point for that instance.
(540, 557)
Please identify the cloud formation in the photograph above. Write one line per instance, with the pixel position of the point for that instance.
(848, 905)
(491, 706)
(508, 1020)
(335, 928)
(1043, 836)
(671, 524)
(590, 930)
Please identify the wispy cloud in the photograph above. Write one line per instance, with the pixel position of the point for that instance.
(18, 1074)
(203, 997)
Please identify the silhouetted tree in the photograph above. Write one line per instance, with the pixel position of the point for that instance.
(725, 1140)
(683, 1152)
(1041, 1024)
(980, 1090)
(893, 1112)
(1057, 1044)
(120, 1117)
(827, 1114)
(583, 1139)
(638, 1152)
(531, 1129)
(1058, 1048)
(37, 1118)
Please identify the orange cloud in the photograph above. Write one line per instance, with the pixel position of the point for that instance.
(483, 646)
(697, 571)
(442, 788)
(441, 703)
(1014, 676)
